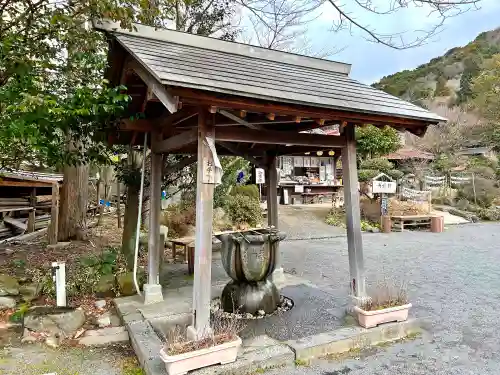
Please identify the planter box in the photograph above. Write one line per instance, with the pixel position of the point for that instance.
(182, 363)
(370, 319)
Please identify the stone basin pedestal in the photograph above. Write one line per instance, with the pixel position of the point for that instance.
(249, 258)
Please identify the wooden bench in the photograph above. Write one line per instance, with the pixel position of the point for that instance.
(187, 244)
(399, 222)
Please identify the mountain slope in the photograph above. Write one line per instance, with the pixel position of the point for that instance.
(446, 78)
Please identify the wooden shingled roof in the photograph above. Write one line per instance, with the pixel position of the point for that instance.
(188, 61)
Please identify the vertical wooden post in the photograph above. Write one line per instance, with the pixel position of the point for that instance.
(54, 215)
(32, 213)
(353, 218)
(334, 169)
(272, 191)
(272, 210)
(98, 193)
(152, 291)
(202, 286)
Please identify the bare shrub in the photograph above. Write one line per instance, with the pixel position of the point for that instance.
(483, 192)
(457, 133)
(223, 330)
(179, 219)
(386, 293)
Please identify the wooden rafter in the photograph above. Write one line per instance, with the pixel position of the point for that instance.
(168, 100)
(178, 117)
(238, 120)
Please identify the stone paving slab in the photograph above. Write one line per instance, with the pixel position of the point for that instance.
(347, 338)
(147, 345)
(256, 355)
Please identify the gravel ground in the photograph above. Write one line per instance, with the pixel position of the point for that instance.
(453, 278)
(307, 222)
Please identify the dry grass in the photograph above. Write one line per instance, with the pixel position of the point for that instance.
(386, 293)
(179, 220)
(223, 330)
(397, 207)
(370, 209)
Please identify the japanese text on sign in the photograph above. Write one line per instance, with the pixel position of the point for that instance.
(383, 187)
(260, 177)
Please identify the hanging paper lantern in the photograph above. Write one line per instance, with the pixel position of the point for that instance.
(319, 153)
(306, 153)
(331, 153)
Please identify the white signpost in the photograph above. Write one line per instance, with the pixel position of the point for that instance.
(260, 178)
(387, 187)
(383, 184)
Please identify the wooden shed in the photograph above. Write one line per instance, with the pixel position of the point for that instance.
(26, 201)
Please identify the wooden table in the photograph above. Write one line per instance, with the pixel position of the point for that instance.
(187, 243)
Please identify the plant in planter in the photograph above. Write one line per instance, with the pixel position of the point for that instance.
(387, 303)
(181, 355)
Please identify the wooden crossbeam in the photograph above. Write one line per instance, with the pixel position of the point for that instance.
(24, 183)
(141, 125)
(176, 142)
(278, 137)
(168, 100)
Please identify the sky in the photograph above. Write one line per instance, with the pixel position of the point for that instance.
(371, 61)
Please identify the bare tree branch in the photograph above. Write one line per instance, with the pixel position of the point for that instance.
(442, 9)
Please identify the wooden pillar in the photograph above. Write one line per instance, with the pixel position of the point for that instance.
(272, 191)
(98, 193)
(152, 290)
(54, 216)
(272, 210)
(32, 213)
(353, 218)
(335, 159)
(202, 286)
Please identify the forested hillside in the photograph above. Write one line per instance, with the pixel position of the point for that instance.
(446, 78)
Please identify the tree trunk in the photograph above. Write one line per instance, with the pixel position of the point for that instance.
(73, 204)
(130, 225)
(145, 208)
(99, 206)
(118, 204)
